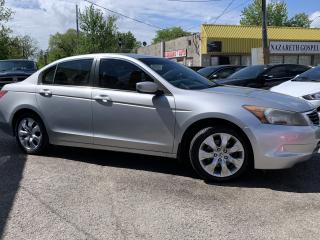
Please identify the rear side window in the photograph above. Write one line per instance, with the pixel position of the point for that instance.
(279, 72)
(48, 75)
(75, 73)
(224, 73)
(299, 69)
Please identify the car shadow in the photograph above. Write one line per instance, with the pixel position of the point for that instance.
(302, 178)
(122, 160)
(12, 163)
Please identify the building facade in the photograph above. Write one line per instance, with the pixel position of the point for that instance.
(184, 50)
(240, 45)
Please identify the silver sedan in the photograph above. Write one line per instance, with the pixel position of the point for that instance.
(149, 105)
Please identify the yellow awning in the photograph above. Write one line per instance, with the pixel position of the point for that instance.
(239, 39)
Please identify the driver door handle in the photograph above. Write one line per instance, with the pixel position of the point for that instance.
(103, 98)
(46, 92)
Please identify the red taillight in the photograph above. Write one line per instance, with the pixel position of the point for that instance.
(2, 93)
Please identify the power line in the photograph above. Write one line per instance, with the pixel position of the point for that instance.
(224, 11)
(125, 16)
(230, 10)
(194, 1)
(236, 7)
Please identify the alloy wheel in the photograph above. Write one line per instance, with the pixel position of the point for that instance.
(221, 155)
(29, 133)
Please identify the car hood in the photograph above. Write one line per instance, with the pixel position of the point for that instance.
(16, 73)
(231, 80)
(296, 88)
(265, 97)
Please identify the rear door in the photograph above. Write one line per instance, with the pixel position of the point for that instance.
(64, 98)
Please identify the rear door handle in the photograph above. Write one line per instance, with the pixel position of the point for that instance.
(103, 98)
(46, 92)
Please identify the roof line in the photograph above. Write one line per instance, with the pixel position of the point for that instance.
(257, 26)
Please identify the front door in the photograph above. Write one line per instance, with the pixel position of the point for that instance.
(64, 98)
(124, 118)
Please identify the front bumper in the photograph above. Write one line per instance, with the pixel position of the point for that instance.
(5, 126)
(278, 147)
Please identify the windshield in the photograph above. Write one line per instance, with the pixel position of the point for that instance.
(249, 72)
(206, 72)
(6, 66)
(177, 74)
(312, 75)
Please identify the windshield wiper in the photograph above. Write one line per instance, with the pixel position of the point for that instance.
(215, 85)
(297, 79)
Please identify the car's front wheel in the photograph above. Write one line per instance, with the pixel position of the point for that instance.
(31, 134)
(219, 153)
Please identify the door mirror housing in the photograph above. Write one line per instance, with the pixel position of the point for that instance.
(215, 76)
(267, 76)
(147, 87)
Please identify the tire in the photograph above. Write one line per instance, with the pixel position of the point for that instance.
(220, 154)
(31, 134)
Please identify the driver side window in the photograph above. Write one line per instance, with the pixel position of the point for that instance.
(120, 74)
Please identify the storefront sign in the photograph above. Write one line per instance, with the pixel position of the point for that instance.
(295, 47)
(176, 53)
(214, 46)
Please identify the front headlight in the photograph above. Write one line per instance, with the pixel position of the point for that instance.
(276, 116)
(315, 96)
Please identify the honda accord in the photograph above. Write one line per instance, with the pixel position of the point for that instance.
(149, 105)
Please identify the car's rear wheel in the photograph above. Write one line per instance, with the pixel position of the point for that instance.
(219, 153)
(31, 134)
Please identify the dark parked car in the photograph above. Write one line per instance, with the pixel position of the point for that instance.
(195, 68)
(15, 70)
(219, 72)
(264, 76)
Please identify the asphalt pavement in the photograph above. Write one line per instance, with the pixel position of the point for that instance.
(88, 194)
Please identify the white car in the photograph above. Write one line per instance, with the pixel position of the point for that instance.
(305, 85)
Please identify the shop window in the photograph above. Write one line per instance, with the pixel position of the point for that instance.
(276, 59)
(293, 59)
(316, 60)
(246, 60)
(189, 62)
(235, 60)
(305, 60)
(214, 61)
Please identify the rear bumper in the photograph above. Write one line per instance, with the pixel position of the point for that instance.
(278, 147)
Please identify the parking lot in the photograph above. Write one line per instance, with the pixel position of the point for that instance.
(88, 194)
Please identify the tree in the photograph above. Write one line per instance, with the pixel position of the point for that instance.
(5, 15)
(42, 58)
(169, 34)
(277, 12)
(63, 45)
(300, 20)
(127, 42)
(22, 47)
(99, 33)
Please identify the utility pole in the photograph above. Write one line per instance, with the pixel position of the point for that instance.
(77, 20)
(265, 44)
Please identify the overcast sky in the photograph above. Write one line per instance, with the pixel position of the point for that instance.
(41, 18)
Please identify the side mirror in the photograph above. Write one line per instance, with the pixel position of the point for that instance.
(266, 76)
(215, 76)
(147, 87)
